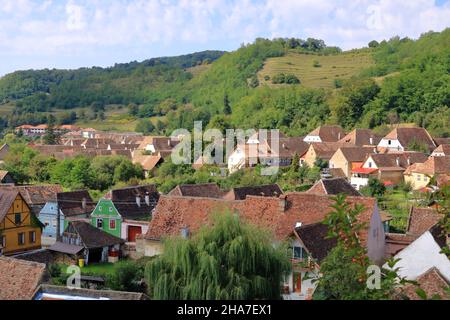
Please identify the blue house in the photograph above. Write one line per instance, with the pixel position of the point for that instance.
(49, 217)
(71, 206)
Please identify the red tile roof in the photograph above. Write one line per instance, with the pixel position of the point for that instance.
(328, 133)
(407, 135)
(280, 215)
(361, 137)
(19, 279)
(421, 220)
(432, 282)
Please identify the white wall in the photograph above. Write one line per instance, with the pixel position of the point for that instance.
(310, 139)
(395, 144)
(420, 256)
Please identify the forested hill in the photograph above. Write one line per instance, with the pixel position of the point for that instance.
(290, 84)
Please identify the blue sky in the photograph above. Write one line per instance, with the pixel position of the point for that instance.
(74, 33)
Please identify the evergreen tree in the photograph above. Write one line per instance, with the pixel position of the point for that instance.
(226, 105)
(231, 260)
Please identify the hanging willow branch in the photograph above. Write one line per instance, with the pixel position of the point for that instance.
(231, 260)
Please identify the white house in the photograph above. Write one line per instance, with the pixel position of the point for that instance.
(325, 134)
(421, 255)
(400, 139)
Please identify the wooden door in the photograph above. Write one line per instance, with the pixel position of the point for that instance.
(133, 231)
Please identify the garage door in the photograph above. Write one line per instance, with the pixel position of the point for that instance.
(132, 232)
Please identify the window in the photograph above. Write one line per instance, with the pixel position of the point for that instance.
(389, 142)
(21, 238)
(32, 236)
(110, 209)
(100, 223)
(100, 208)
(370, 164)
(17, 218)
(3, 241)
(297, 252)
(418, 177)
(54, 223)
(112, 224)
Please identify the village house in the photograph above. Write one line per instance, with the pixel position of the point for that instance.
(81, 240)
(400, 139)
(212, 190)
(20, 279)
(330, 133)
(322, 150)
(201, 190)
(266, 150)
(6, 178)
(334, 187)
(241, 193)
(362, 138)
(421, 220)
(67, 206)
(36, 196)
(348, 158)
(125, 212)
(419, 175)
(420, 256)
(386, 167)
(184, 216)
(442, 151)
(40, 130)
(432, 282)
(20, 230)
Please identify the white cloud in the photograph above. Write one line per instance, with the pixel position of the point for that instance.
(75, 16)
(47, 27)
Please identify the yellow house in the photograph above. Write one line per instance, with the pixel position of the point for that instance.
(420, 174)
(20, 230)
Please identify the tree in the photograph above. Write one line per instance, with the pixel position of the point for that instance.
(126, 276)
(145, 126)
(373, 44)
(374, 188)
(50, 136)
(230, 260)
(419, 146)
(226, 105)
(133, 109)
(344, 270)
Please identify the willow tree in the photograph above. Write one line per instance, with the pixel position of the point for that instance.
(229, 260)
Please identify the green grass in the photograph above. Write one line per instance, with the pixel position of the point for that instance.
(398, 204)
(339, 66)
(100, 269)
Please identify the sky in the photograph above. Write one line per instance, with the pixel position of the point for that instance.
(36, 34)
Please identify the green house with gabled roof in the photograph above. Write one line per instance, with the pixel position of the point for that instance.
(107, 218)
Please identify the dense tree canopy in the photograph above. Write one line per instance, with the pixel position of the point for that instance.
(230, 260)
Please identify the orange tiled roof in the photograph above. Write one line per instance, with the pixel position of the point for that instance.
(19, 279)
(279, 215)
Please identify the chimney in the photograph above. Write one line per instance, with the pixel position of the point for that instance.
(83, 203)
(138, 201)
(298, 225)
(408, 160)
(185, 233)
(282, 203)
(371, 141)
(339, 136)
(147, 199)
(375, 150)
(168, 142)
(397, 161)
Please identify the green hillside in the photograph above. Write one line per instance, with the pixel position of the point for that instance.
(317, 71)
(395, 81)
